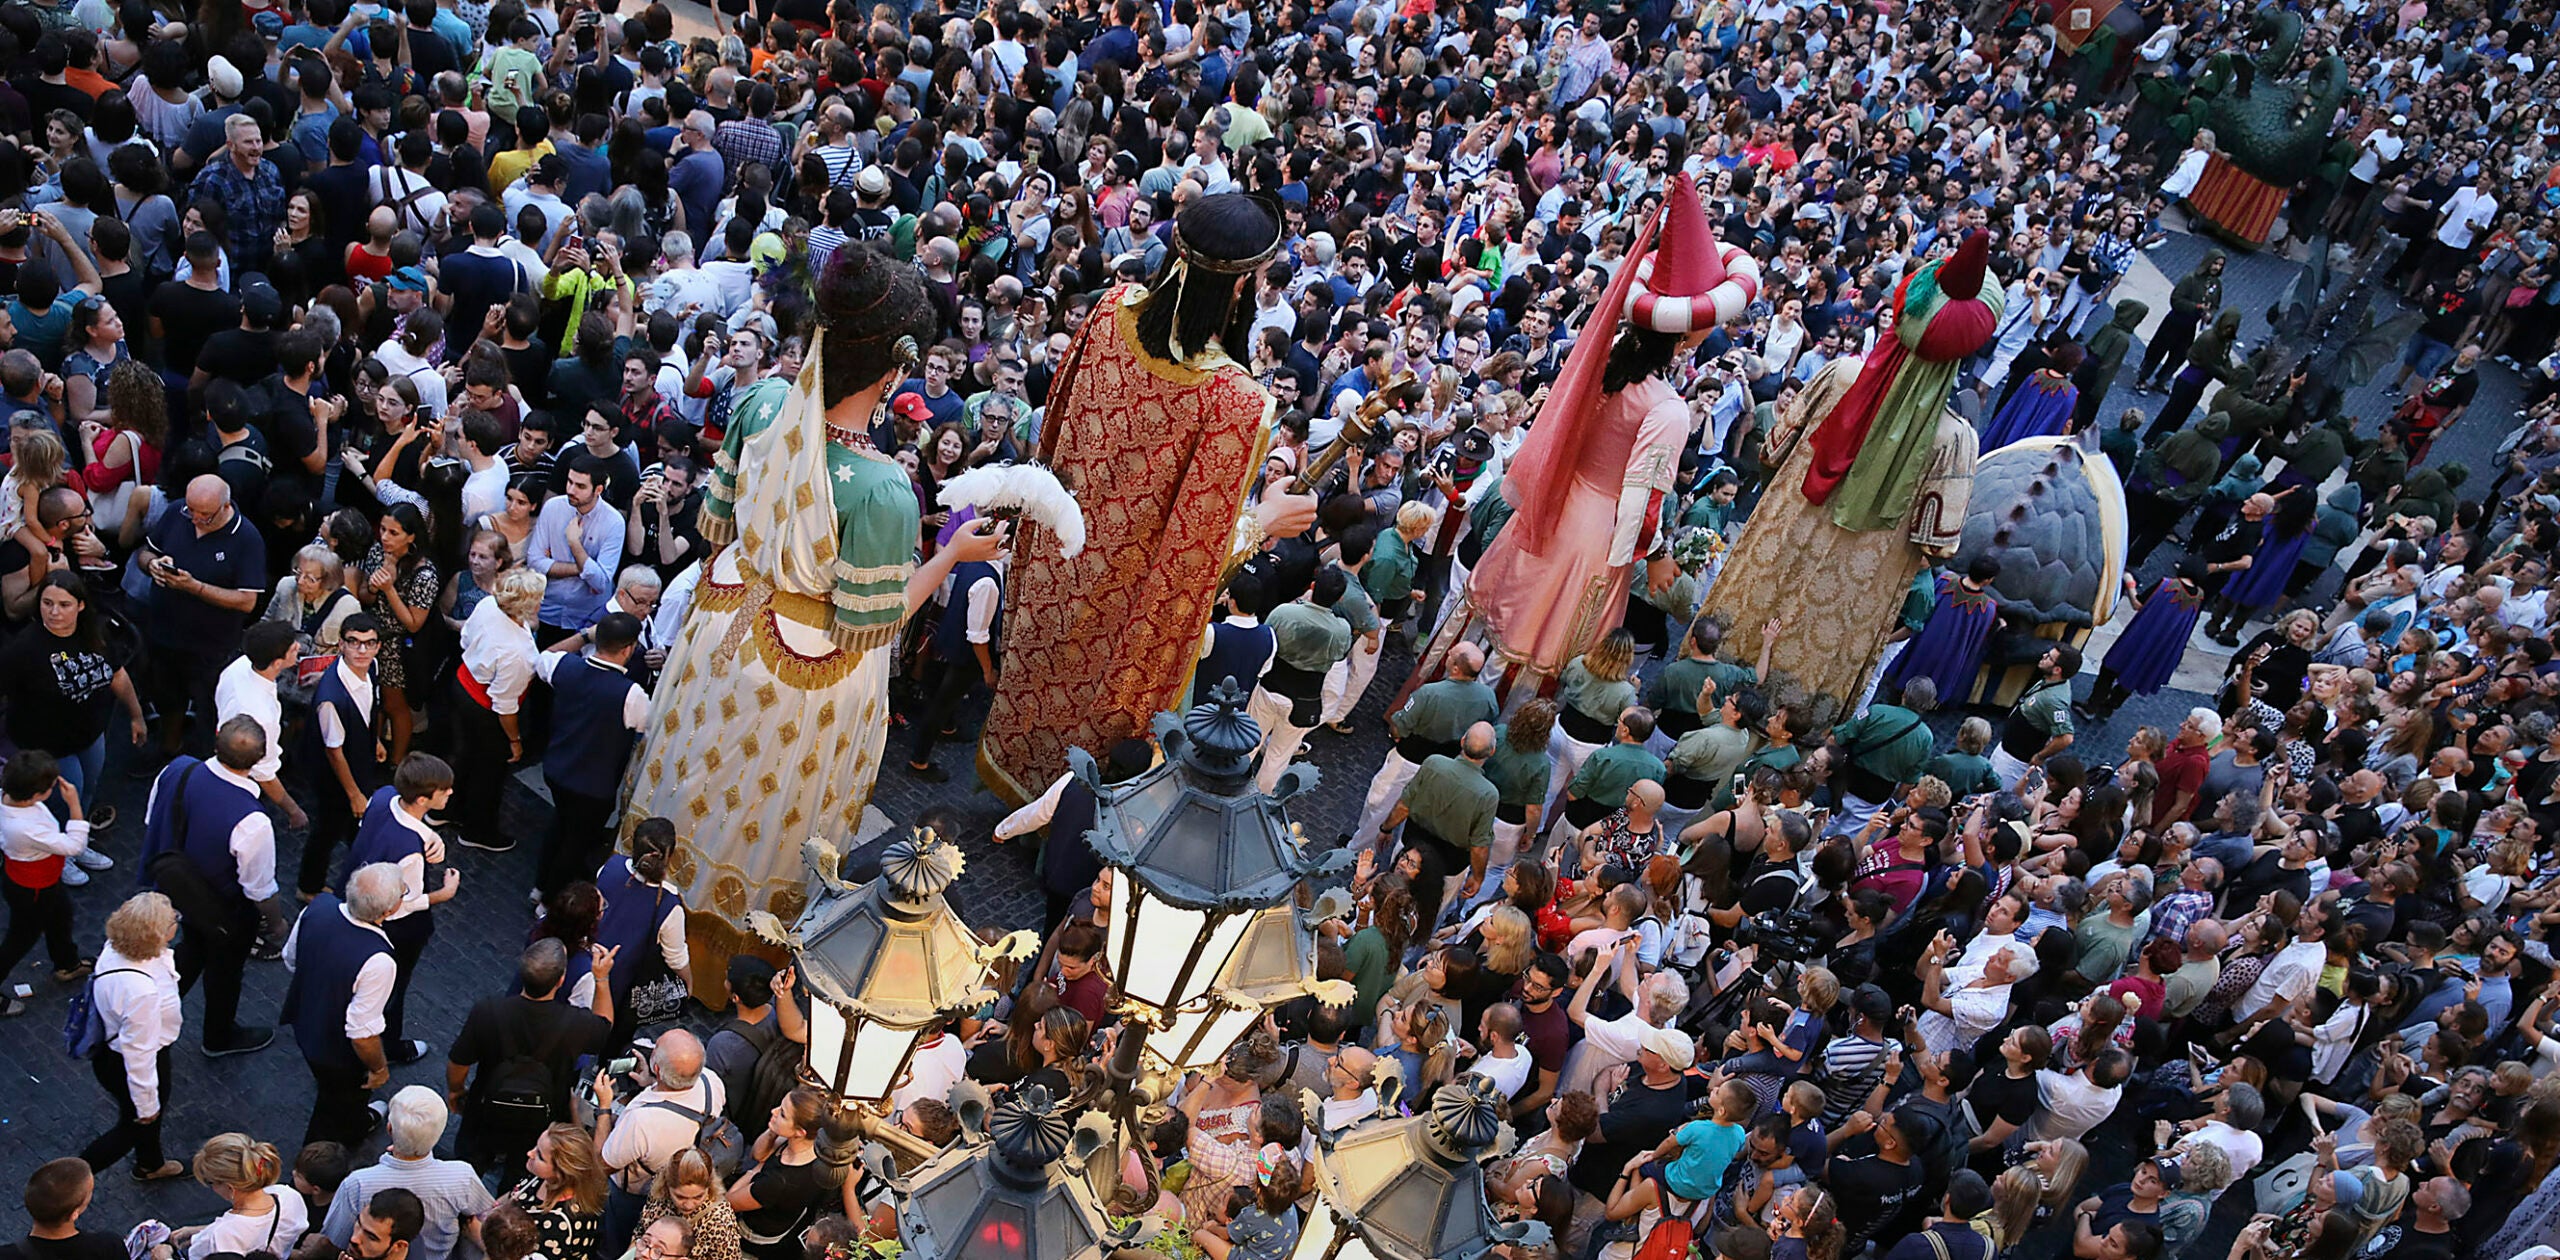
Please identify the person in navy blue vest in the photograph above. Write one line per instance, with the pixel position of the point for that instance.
(642, 928)
(597, 713)
(344, 747)
(210, 812)
(395, 832)
(965, 642)
(343, 972)
(1237, 645)
(1067, 865)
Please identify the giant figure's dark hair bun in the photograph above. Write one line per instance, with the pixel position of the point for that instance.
(866, 302)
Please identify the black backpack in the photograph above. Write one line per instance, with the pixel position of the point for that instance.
(201, 905)
(776, 1071)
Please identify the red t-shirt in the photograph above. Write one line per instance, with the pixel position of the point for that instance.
(2181, 774)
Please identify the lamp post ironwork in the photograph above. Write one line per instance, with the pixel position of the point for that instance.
(1413, 1189)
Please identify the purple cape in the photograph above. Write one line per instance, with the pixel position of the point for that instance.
(1948, 650)
(2262, 583)
(2041, 407)
(2155, 640)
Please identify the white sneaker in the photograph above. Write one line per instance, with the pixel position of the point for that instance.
(92, 860)
(73, 876)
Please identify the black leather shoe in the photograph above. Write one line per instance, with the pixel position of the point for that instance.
(244, 1039)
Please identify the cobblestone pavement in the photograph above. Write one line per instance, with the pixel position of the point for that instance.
(50, 1106)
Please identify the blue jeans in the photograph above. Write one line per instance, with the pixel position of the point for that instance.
(2425, 354)
(81, 770)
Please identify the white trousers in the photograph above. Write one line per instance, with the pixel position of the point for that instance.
(1280, 740)
(1348, 680)
(2008, 768)
(1384, 791)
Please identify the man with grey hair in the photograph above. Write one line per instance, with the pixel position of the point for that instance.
(2112, 924)
(1880, 751)
(342, 976)
(447, 1188)
(2183, 765)
(678, 1097)
(699, 174)
(2196, 974)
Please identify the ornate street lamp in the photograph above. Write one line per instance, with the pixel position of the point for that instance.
(1412, 1189)
(1274, 963)
(885, 961)
(998, 1192)
(1199, 853)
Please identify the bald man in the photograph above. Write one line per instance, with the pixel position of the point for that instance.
(1447, 815)
(210, 568)
(1429, 725)
(646, 1137)
(1351, 1098)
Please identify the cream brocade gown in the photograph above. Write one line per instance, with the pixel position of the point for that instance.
(775, 710)
(1838, 591)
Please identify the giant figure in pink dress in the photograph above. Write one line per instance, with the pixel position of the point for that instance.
(1588, 486)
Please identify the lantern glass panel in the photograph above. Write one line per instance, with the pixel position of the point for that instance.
(1160, 938)
(866, 1057)
(1225, 1023)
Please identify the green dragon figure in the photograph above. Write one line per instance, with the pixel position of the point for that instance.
(2275, 129)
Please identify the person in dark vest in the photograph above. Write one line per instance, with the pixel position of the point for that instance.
(525, 1047)
(222, 877)
(1067, 864)
(1429, 725)
(343, 973)
(343, 744)
(965, 642)
(395, 831)
(1236, 646)
(596, 714)
(643, 924)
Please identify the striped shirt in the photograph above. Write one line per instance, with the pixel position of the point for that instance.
(448, 1188)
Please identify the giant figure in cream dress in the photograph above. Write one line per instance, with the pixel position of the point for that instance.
(771, 721)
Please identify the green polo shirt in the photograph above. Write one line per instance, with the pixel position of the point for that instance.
(1355, 607)
(1607, 773)
(1889, 741)
(1776, 758)
(2047, 708)
(1964, 773)
(1521, 777)
(1710, 754)
(1307, 637)
(1675, 689)
(1450, 798)
(1591, 697)
(1731, 678)
(1389, 573)
(1442, 711)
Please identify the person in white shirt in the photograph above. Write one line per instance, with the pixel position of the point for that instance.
(247, 688)
(938, 1063)
(1606, 1043)
(2237, 1115)
(476, 437)
(497, 665)
(636, 1141)
(2071, 1104)
(2293, 972)
(1353, 1099)
(1503, 1062)
(339, 1098)
(220, 952)
(135, 994)
(1962, 1002)
(37, 849)
(264, 1216)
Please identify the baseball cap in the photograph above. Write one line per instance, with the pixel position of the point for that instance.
(1673, 1047)
(2399, 120)
(261, 303)
(224, 77)
(912, 406)
(411, 278)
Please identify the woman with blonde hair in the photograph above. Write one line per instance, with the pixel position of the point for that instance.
(2016, 1198)
(264, 1216)
(565, 1194)
(497, 665)
(689, 1190)
(1509, 944)
(2060, 1162)
(135, 994)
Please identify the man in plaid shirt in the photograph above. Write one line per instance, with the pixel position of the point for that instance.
(647, 420)
(752, 138)
(2198, 885)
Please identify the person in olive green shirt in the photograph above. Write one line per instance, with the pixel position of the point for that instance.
(1393, 562)
(1681, 695)
(1308, 639)
(1879, 751)
(1346, 682)
(1600, 786)
(1519, 769)
(1964, 769)
(1447, 815)
(1704, 760)
(1786, 724)
(1430, 724)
